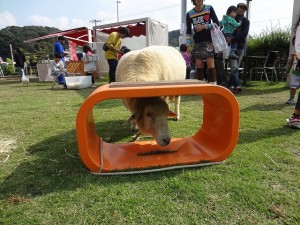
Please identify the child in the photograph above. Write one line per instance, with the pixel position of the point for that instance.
(58, 69)
(293, 68)
(89, 62)
(294, 120)
(229, 25)
(123, 51)
(187, 59)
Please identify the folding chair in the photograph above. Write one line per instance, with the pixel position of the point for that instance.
(269, 65)
(1, 72)
(58, 79)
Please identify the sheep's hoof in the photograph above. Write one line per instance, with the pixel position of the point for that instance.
(135, 136)
(172, 114)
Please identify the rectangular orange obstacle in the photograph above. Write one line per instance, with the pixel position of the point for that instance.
(213, 142)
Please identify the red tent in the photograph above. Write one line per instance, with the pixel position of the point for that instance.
(137, 29)
(80, 35)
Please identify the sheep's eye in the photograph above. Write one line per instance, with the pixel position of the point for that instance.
(149, 114)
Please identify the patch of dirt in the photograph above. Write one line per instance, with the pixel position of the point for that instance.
(7, 145)
(15, 199)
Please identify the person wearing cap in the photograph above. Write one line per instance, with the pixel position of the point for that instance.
(240, 36)
(113, 43)
(201, 18)
(59, 48)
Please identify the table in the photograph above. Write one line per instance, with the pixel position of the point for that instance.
(44, 71)
(252, 61)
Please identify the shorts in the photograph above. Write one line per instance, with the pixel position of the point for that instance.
(295, 81)
(204, 50)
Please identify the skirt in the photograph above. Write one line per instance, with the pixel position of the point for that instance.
(204, 50)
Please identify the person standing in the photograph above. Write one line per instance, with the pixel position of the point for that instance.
(89, 62)
(200, 18)
(294, 120)
(20, 60)
(113, 44)
(292, 69)
(240, 36)
(59, 48)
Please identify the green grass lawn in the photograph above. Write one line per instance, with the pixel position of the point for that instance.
(43, 181)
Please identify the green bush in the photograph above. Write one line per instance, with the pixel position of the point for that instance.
(275, 40)
(7, 68)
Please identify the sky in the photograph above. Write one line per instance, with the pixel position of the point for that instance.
(265, 15)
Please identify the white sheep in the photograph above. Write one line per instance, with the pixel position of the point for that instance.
(154, 63)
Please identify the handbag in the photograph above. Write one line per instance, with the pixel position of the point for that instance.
(226, 52)
(218, 39)
(105, 47)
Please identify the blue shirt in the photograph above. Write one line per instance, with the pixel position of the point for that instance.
(58, 48)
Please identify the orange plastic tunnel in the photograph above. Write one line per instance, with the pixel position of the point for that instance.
(213, 142)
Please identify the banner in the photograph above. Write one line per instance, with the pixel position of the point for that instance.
(72, 51)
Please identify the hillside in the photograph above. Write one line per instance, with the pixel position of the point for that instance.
(174, 38)
(15, 36)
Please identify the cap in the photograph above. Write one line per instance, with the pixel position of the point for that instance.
(242, 5)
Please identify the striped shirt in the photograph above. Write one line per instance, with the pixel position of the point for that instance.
(196, 18)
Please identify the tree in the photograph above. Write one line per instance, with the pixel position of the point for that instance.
(17, 35)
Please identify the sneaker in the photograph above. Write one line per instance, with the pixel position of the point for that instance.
(238, 89)
(93, 86)
(290, 101)
(213, 83)
(294, 117)
(232, 88)
(233, 56)
(294, 121)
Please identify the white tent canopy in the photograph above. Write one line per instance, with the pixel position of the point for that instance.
(144, 31)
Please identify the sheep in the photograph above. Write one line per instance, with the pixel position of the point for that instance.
(154, 63)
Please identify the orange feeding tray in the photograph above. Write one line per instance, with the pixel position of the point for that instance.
(213, 142)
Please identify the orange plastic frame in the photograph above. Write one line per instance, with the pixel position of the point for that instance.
(214, 141)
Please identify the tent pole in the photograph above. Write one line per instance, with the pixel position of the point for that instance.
(12, 57)
(182, 38)
(147, 32)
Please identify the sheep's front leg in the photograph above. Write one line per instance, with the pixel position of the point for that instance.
(177, 107)
(135, 136)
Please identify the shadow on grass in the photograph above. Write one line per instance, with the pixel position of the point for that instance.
(265, 88)
(54, 165)
(266, 107)
(246, 137)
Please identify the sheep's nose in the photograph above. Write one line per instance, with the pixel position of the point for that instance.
(167, 140)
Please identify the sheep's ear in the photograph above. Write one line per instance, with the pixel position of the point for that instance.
(134, 116)
(131, 118)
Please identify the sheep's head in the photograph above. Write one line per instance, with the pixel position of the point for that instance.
(151, 118)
